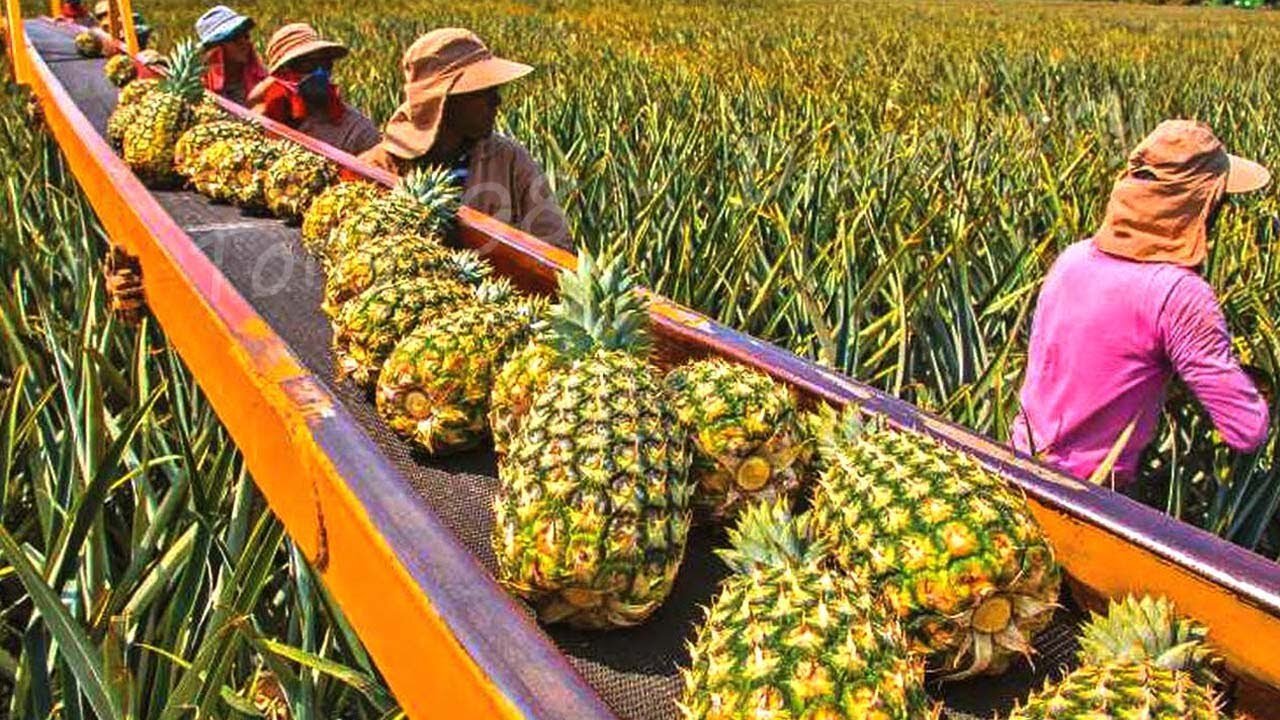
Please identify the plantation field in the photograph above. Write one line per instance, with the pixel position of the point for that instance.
(880, 186)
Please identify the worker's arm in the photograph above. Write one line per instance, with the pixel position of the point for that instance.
(1198, 344)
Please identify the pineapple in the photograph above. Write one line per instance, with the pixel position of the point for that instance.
(163, 116)
(120, 70)
(424, 203)
(592, 511)
(367, 327)
(208, 111)
(1138, 662)
(522, 376)
(135, 91)
(434, 386)
(395, 257)
(746, 434)
(788, 637)
(198, 139)
(88, 44)
(296, 179)
(331, 208)
(955, 552)
(127, 105)
(234, 170)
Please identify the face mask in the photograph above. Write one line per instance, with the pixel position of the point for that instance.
(315, 85)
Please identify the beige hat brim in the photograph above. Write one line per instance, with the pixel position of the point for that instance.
(1246, 175)
(327, 49)
(488, 73)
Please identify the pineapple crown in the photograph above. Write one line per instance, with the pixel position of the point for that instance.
(1147, 629)
(833, 431)
(186, 68)
(467, 266)
(599, 308)
(436, 189)
(769, 536)
(495, 290)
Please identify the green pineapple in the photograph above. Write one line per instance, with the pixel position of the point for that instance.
(194, 142)
(747, 439)
(434, 386)
(368, 326)
(163, 116)
(424, 203)
(295, 180)
(332, 207)
(787, 637)
(952, 548)
(1139, 662)
(120, 70)
(521, 377)
(592, 512)
(395, 257)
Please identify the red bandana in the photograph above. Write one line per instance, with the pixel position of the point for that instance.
(279, 99)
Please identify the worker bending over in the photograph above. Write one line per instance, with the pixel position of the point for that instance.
(452, 96)
(233, 67)
(1123, 311)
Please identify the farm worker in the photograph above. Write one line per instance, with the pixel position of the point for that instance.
(300, 91)
(452, 96)
(101, 12)
(73, 11)
(233, 65)
(1123, 311)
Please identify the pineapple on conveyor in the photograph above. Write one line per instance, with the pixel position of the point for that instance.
(127, 107)
(434, 386)
(295, 180)
(1139, 662)
(88, 44)
(787, 637)
(394, 257)
(592, 511)
(953, 550)
(425, 202)
(746, 434)
(234, 170)
(521, 377)
(193, 143)
(120, 70)
(163, 115)
(368, 326)
(332, 207)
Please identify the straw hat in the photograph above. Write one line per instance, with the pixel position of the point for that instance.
(101, 9)
(444, 62)
(300, 40)
(219, 24)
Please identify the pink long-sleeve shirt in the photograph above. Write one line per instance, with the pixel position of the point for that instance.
(1107, 335)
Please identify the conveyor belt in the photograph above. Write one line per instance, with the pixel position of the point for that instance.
(635, 670)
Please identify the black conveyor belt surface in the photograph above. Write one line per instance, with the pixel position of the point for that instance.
(634, 670)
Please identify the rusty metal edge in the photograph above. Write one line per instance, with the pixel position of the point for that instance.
(528, 676)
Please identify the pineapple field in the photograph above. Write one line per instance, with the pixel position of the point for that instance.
(878, 188)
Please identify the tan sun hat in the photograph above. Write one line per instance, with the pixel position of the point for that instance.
(444, 62)
(1160, 208)
(299, 40)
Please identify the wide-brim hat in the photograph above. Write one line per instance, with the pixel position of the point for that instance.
(444, 62)
(219, 24)
(299, 40)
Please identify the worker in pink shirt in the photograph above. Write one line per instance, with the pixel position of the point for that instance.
(1122, 312)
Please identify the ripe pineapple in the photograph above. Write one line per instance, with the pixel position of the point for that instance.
(234, 170)
(162, 118)
(127, 106)
(198, 139)
(522, 376)
(135, 91)
(955, 552)
(424, 203)
(788, 637)
(88, 44)
(592, 511)
(746, 434)
(120, 70)
(296, 179)
(330, 209)
(1140, 661)
(368, 326)
(395, 257)
(434, 386)
(207, 111)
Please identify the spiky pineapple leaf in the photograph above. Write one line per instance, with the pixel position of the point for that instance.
(599, 308)
(1147, 629)
(769, 536)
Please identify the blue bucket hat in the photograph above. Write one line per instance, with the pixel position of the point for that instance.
(219, 24)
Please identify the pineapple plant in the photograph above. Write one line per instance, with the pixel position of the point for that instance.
(953, 550)
(295, 180)
(787, 636)
(393, 257)
(120, 70)
(1138, 661)
(330, 208)
(434, 386)
(163, 116)
(234, 170)
(746, 434)
(195, 141)
(88, 44)
(367, 327)
(592, 511)
(425, 202)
